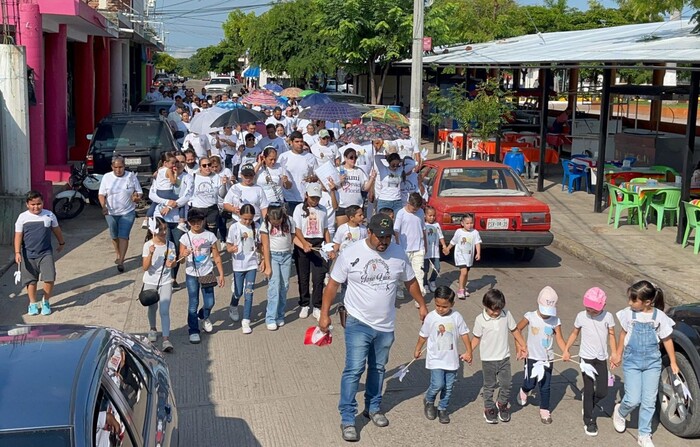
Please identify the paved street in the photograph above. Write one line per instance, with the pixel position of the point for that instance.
(269, 389)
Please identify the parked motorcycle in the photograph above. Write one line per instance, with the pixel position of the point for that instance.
(82, 187)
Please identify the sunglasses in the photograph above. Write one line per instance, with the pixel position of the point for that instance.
(393, 166)
(205, 165)
(351, 157)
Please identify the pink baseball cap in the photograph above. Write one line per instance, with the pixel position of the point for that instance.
(594, 298)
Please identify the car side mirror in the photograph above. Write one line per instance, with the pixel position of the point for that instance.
(179, 134)
(88, 137)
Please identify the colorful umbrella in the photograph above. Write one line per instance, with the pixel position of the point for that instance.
(370, 131)
(386, 116)
(283, 101)
(273, 87)
(229, 105)
(238, 116)
(305, 93)
(315, 99)
(333, 111)
(291, 92)
(202, 123)
(261, 98)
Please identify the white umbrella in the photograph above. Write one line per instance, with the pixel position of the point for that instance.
(201, 123)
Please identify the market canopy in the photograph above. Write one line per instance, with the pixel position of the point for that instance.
(621, 46)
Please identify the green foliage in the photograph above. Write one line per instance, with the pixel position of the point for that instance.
(652, 8)
(482, 114)
(165, 62)
(219, 58)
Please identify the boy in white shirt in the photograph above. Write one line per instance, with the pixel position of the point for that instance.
(352, 231)
(442, 329)
(491, 329)
(410, 234)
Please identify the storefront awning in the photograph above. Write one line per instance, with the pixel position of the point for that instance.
(251, 72)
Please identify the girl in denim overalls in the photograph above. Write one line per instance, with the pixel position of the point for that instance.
(643, 325)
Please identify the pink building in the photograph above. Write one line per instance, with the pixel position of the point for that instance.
(88, 59)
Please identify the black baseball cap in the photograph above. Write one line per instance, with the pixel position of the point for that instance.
(381, 225)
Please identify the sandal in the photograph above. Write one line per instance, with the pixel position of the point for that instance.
(120, 267)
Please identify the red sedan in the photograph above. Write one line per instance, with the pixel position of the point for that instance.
(506, 214)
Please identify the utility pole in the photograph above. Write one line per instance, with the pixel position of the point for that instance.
(417, 70)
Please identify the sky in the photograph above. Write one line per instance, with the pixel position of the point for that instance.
(193, 24)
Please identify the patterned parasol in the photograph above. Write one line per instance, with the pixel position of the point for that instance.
(333, 111)
(238, 116)
(291, 92)
(305, 93)
(262, 98)
(386, 116)
(315, 99)
(229, 105)
(369, 131)
(276, 88)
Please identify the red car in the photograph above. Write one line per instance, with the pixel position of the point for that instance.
(506, 214)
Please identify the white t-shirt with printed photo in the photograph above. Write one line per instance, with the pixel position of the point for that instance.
(250, 155)
(161, 253)
(313, 225)
(240, 194)
(199, 263)
(540, 336)
(465, 246)
(594, 334)
(444, 334)
(410, 228)
(245, 258)
(433, 233)
(280, 241)
(372, 279)
(409, 185)
(346, 235)
(663, 324)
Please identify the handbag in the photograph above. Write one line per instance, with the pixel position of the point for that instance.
(208, 280)
(151, 296)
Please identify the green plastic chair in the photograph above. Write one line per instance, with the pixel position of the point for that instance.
(620, 200)
(670, 172)
(662, 201)
(693, 223)
(639, 180)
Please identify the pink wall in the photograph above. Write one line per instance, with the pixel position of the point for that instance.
(56, 87)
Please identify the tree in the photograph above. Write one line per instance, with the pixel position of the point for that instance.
(165, 62)
(219, 58)
(650, 9)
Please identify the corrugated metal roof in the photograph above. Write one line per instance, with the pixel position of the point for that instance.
(625, 45)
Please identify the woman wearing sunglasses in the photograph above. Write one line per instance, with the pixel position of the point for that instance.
(271, 176)
(353, 181)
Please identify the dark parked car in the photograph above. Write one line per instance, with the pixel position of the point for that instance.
(681, 416)
(79, 386)
(139, 137)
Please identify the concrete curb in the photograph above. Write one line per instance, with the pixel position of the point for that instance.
(629, 274)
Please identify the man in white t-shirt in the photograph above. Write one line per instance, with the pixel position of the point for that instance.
(277, 118)
(272, 139)
(310, 136)
(372, 270)
(324, 150)
(407, 146)
(252, 129)
(300, 165)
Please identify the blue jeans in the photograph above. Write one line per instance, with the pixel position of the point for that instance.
(530, 383)
(278, 286)
(395, 205)
(291, 206)
(243, 283)
(441, 381)
(194, 315)
(120, 226)
(426, 269)
(363, 345)
(641, 365)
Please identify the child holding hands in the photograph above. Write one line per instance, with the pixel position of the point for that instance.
(442, 328)
(468, 249)
(545, 327)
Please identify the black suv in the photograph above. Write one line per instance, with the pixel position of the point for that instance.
(681, 415)
(138, 137)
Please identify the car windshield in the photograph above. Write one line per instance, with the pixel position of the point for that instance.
(475, 182)
(220, 81)
(55, 436)
(127, 134)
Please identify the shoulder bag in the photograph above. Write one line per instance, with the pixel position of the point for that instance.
(151, 296)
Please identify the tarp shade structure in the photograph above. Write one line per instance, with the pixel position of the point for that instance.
(621, 46)
(252, 72)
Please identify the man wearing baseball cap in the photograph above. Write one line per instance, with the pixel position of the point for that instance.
(595, 325)
(324, 150)
(372, 270)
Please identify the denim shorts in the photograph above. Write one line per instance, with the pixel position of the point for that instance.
(120, 226)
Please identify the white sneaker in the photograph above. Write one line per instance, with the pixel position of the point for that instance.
(645, 441)
(233, 313)
(194, 339)
(522, 397)
(245, 326)
(433, 286)
(466, 293)
(304, 312)
(144, 224)
(317, 313)
(271, 327)
(182, 226)
(222, 246)
(618, 421)
(207, 326)
(152, 336)
(280, 323)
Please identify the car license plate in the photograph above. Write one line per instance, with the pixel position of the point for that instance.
(132, 161)
(497, 224)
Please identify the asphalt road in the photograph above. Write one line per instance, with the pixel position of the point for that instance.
(268, 389)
